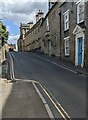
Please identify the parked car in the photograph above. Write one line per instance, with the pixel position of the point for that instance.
(11, 49)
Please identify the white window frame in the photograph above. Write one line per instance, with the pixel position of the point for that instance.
(66, 27)
(65, 40)
(47, 24)
(78, 4)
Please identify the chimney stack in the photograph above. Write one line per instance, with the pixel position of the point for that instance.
(39, 15)
(30, 24)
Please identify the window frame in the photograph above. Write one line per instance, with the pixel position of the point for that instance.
(68, 21)
(54, 41)
(78, 13)
(47, 24)
(65, 46)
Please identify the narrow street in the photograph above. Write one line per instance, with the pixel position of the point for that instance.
(43, 59)
(68, 88)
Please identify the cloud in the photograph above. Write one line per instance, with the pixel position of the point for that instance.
(8, 28)
(13, 39)
(18, 11)
(21, 10)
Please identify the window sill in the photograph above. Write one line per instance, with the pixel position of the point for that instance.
(80, 22)
(66, 55)
(66, 30)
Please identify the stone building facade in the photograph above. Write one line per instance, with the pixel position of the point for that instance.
(33, 36)
(63, 32)
(51, 32)
(45, 36)
(24, 28)
(19, 44)
(86, 34)
(54, 25)
(67, 33)
(74, 32)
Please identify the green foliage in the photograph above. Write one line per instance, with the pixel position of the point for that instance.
(3, 34)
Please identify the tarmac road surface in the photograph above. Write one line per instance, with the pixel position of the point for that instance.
(68, 88)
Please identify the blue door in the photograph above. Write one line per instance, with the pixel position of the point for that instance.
(80, 42)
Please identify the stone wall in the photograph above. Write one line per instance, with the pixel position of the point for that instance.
(86, 35)
(3, 52)
(33, 37)
(54, 23)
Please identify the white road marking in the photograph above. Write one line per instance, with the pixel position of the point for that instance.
(42, 98)
(44, 102)
(12, 72)
(55, 64)
(50, 114)
(56, 105)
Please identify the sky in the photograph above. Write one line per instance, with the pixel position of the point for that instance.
(14, 12)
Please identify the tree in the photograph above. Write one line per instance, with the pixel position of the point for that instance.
(3, 34)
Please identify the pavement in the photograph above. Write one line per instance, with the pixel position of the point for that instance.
(69, 65)
(20, 100)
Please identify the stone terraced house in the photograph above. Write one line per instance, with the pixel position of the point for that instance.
(21, 41)
(33, 38)
(74, 32)
(62, 33)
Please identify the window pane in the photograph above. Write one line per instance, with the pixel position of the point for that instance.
(66, 17)
(81, 7)
(67, 43)
(67, 25)
(67, 47)
(80, 12)
(67, 51)
(66, 21)
(81, 17)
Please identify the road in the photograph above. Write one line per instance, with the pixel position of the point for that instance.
(68, 88)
